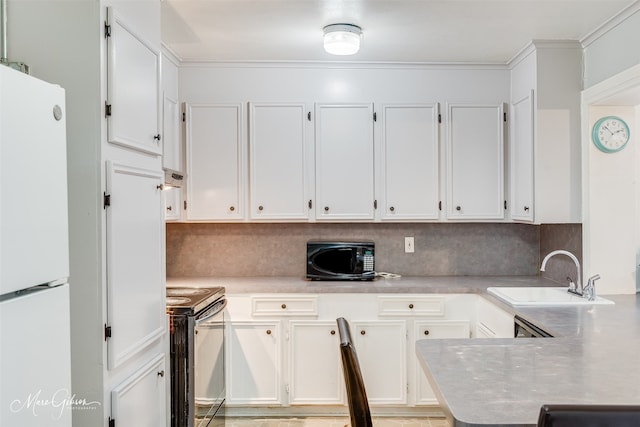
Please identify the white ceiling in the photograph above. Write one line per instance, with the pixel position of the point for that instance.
(412, 31)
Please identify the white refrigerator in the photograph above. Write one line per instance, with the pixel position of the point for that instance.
(35, 356)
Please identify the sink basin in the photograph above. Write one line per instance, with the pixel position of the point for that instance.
(542, 296)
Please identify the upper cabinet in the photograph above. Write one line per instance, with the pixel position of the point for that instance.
(171, 142)
(133, 86)
(546, 133)
(216, 158)
(475, 162)
(410, 162)
(344, 162)
(280, 154)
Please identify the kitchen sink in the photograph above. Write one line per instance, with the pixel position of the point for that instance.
(542, 296)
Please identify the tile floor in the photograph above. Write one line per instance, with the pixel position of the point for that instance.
(331, 422)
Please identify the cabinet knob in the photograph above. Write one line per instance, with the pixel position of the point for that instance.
(326, 208)
(232, 208)
(268, 331)
(410, 305)
(161, 374)
(362, 332)
(333, 332)
(392, 209)
(169, 208)
(426, 332)
(283, 306)
(526, 208)
(458, 208)
(260, 208)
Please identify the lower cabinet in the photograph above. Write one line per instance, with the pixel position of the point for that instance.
(140, 400)
(493, 322)
(433, 329)
(255, 362)
(315, 366)
(283, 350)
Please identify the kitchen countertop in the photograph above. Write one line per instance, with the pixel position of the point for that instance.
(593, 357)
(403, 285)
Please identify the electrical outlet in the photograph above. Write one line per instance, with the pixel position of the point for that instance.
(409, 245)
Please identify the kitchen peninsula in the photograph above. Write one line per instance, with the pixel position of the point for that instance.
(592, 359)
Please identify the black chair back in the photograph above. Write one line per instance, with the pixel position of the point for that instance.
(356, 393)
(589, 416)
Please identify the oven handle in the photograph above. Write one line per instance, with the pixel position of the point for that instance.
(216, 308)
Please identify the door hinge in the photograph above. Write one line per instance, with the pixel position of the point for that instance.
(184, 117)
(375, 116)
(107, 109)
(504, 116)
(106, 200)
(439, 118)
(505, 205)
(309, 116)
(107, 30)
(310, 204)
(184, 205)
(440, 205)
(112, 422)
(107, 331)
(375, 204)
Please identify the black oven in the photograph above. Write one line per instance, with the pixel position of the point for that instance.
(197, 356)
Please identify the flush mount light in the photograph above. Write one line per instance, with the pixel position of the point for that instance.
(342, 39)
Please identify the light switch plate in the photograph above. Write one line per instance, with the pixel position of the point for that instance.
(409, 245)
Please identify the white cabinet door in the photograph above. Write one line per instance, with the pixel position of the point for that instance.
(522, 159)
(279, 161)
(172, 203)
(171, 143)
(475, 162)
(140, 400)
(410, 162)
(493, 322)
(344, 162)
(254, 363)
(215, 162)
(433, 329)
(133, 88)
(381, 348)
(135, 260)
(315, 367)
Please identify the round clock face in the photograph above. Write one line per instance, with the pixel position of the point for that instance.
(610, 134)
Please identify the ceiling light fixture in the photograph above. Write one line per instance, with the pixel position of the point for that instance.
(342, 39)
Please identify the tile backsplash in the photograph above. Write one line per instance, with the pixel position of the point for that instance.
(441, 249)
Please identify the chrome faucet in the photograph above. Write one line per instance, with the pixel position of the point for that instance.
(574, 288)
(590, 288)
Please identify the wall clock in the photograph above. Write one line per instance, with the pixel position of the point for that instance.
(610, 134)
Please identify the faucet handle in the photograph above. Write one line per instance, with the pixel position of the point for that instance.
(572, 285)
(590, 289)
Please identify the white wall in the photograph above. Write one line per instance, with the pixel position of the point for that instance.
(614, 48)
(201, 83)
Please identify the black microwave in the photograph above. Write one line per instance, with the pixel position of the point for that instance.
(340, 260)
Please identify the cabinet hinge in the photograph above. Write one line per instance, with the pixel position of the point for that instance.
(106, 200)
(112, 422)
(309, 116)
(504, 116)
(439, 118)
(107, 30)
(107, 109)
(310, 204)
(375, 116)
(375, 204)
(287, 388)
(107, 331)
(184, 205)
(184, 117)
(505, 205)
(440, 205)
